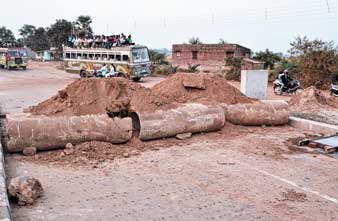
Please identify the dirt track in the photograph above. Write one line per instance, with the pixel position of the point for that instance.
(235, 174)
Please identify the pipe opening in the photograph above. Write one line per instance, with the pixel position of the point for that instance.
(136, 124)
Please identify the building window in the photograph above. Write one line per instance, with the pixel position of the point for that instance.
(230, 54)
(178, 53)
(194, 55)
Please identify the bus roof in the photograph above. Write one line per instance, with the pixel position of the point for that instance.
(113, 49)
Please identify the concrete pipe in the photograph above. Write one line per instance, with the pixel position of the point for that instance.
(268, 112)
(189, 118)
(47, 133)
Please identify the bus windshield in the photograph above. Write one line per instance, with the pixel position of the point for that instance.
(140, 55)
(13, 53)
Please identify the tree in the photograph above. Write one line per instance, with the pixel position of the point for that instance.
(195, 41)
(7, 38)
(39, 40)
(157, 57)
(317, 61)
(222, 41)
(27, 31)
(235, 65)
(59, 32)
(269, 58)
(82, 25)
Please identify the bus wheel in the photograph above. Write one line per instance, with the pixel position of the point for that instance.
(24, 68)
(83, 74)
(122, 75)
(136, 79)
(8, 67)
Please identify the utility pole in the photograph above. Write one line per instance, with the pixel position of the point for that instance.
(328, 6)
(164, 22)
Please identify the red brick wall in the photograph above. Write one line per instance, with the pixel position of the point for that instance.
(209, 56)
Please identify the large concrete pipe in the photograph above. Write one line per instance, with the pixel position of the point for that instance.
(268, 112)
(189, 118)
(47, 133)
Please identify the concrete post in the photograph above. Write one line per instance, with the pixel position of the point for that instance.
(254, 83)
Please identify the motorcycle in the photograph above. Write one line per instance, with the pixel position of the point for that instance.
(98, 74)
(334, 89)
(291, 88)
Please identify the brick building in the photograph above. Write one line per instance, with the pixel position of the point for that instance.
(210, 56)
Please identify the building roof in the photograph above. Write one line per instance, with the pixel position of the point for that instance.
(210, 45)
(253, 61)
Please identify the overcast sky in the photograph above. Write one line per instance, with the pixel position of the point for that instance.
(256, 24)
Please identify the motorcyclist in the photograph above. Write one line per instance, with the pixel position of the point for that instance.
(112, 71)
(103, 71)
(284, 79)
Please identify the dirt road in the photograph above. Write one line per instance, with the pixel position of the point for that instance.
(238, 173)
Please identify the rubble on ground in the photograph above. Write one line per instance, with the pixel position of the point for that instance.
(25, 189)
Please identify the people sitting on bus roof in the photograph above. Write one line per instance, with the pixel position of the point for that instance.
(99, 41)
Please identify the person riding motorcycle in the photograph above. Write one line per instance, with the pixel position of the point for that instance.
(285, 79)
(103, 71)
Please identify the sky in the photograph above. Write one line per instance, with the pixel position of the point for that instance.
(256, 24)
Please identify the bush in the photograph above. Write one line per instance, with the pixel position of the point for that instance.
(235, 65)
(317, 61)
(165, 70)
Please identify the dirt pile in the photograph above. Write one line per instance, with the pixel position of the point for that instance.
(95, 96)
(202, 88)
(312, 100)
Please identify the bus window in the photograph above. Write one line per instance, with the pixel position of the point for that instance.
(68, 55)
(104, 57)
(111, 57)
(85, 56)
(125, 58)
(97, 56)
(91, 56)
(118, 57)
(79, 56)
(73, 56)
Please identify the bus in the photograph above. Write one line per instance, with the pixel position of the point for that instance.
(131, 61)
(13, 58)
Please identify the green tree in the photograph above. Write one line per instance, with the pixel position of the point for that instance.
(83, 25)
(26, 32)
(7, 38)
(317, 61)
(39, 40)
(157, 57)
(59, 32)
(195, 41)
(269, 58)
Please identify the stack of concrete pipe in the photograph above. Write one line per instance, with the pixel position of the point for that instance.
(47, 133)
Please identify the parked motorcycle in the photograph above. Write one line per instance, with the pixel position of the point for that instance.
(291, 88)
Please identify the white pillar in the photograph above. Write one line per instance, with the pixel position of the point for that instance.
(254, 83)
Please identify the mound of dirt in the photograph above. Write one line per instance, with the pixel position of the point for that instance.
(202, 88)
(312, 100)
(96, 96)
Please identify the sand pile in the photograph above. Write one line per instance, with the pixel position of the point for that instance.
(312, 100)
(93, 96)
